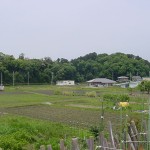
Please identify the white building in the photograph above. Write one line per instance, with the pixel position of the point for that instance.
(146, 78)
(134, 84)
(1, 87)
(65, 82)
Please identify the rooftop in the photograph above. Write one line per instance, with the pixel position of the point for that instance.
(101, 80)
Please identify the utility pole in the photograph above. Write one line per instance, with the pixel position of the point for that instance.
(28, 78)
(1, 79)
(130, 76)
(112, 75)
(13, 79)
(52, 78)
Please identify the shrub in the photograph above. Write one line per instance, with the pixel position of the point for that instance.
(57, 92)
(115, 99)
(91, 94)
(68, 93)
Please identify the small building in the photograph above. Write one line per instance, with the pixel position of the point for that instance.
(101, 82)
(146, 78)
(65, 82)
(123, 79)
(136, 78)
(134, 84)
(122, 85)
(1, 88)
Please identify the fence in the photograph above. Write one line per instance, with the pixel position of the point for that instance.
(131, 140)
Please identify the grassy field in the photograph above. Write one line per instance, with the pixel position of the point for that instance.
(44, 113)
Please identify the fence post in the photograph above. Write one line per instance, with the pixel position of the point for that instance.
(75, 145)
(130, 142)
(42, 147)
(90, 143)
(102, 143)
(111, 135)
(62, 146)
(49, 147)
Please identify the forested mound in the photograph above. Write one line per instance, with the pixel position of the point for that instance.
(81, 69)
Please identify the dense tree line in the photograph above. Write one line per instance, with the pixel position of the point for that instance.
(84, 68)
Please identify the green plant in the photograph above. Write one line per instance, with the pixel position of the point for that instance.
(91, 94)
(95, 131)
(68, 93)
(57, 92)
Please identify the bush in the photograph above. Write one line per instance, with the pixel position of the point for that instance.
(57, 93)
(115, 99)
(95, 131)
(91, 94)
(68, 93)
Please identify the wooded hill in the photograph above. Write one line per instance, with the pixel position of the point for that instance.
(84, 68)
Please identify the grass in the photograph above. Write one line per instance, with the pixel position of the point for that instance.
(21, 99)
(21, 132)
(33, 110)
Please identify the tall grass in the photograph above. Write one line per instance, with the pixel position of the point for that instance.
(18, 132)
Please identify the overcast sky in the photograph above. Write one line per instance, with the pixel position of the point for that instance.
(72, 28)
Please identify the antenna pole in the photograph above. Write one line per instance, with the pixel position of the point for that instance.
(28, 78)
(112, 75)
(13, 79)
(1, 78)
(52, 78)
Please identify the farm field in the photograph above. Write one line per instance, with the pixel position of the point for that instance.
(70, 109)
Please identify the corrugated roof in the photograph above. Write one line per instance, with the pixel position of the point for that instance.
(101, 80)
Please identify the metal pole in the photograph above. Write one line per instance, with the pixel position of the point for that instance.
(1, 79)
(13, 79)
(52, 78)
(28, 78)
(112, 75)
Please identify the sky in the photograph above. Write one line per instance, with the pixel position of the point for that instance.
(73, 28)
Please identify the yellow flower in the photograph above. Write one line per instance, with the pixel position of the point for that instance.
(123, 104)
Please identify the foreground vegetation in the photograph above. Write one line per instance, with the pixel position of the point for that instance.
(24, 133)
(35, 115)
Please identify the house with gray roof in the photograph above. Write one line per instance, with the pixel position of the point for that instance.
(100, 82)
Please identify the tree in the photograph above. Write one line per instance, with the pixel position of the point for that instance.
(21, 56)
(145, 86)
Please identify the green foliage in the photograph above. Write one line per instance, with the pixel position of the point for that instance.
(18, 132)
(91, 94)
(68, 93)
(81, 69)
(145, 86)
(116, 98)
(57, 92)
(95, 131)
